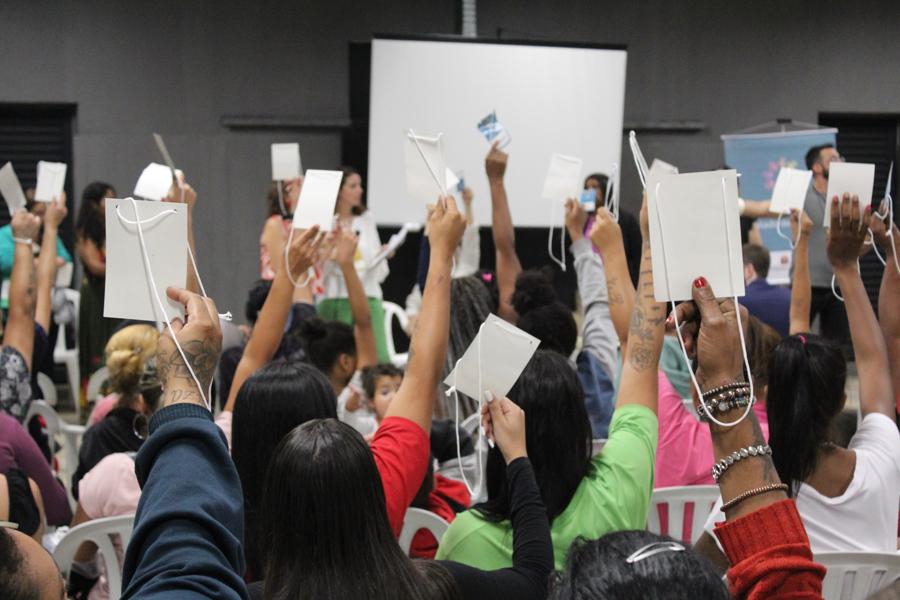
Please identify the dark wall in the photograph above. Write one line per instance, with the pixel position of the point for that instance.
(179, 67)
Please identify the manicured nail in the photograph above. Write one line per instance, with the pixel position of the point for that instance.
(669, 320)
(700, 282)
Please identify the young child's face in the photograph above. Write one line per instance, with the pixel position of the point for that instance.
(385, 388)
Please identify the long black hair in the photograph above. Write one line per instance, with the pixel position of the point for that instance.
(598, 569)
(325, 341)
(557, 433)
(542, 315)
(324, 519)
(807, 374)
(272, 402)
(90, 223)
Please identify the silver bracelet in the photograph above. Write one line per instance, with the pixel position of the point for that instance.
(723, 405)
(25, 241)
(738, 455)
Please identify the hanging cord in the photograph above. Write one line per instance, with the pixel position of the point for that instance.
(737, 309)
(479, 458)
(310, 272)
(227, 316)
(611, 201)
(561, 261)
(792, 241)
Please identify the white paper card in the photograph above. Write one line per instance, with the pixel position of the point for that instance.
(154, 182)
(451, 179)
(849, 178)
(563, 179)
(11, 189)
(426, 169)
(661, 167)
(286, 162)
(167, 158)
(317, 199)
(51, 177)
(695, 231)
(129, 294)
(790, 190)
(505, 351)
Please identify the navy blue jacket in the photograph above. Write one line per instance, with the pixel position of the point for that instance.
(770, 304)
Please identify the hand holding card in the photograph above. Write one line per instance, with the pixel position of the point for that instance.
(11, 189)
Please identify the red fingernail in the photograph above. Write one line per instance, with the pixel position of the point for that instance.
(700, 282)
(669, 319)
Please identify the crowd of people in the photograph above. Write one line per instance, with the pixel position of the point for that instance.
(297, 483)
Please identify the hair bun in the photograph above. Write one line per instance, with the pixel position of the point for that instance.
(313, 329)
(533, 290)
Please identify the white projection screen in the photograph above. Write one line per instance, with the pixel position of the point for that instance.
(551, 98)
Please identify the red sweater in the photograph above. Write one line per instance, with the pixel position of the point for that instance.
(771, 555)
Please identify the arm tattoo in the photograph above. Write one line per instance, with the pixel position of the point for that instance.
(202, 356)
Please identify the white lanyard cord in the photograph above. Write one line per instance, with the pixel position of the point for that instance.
(562, 241)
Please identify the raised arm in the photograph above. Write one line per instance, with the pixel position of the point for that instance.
(801, 288)
(272, 317)
(845, 239)
(508, 265)
(607, 237)
(19, 333)
(415, 398)
(366, 349)
(889, 297)
(46, 275)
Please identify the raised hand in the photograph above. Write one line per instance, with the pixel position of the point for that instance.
(25, 225)
(56, 211)
(576, 219)
(495, 163)
(181, 191)
(800, 222)
(606, 234)
(345, 242)
(445, 228)
(504, 423)
(879, 229)
(304, 251)
(846, 234)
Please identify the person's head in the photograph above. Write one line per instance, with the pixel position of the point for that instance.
(600, 569)
(542, 315)
(557, 433)
(27, 571)
(756, 262)
(90, 223)
(598, 183)
(331, 347)
(131, 360)
(807, 374)
(380, 383)
(472, 302)
(256, 297)
(324, 520)
(819, 158)
(350, 194)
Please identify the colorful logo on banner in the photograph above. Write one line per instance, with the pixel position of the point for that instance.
(758, 157)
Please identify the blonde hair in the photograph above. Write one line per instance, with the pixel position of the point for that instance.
(127, 353)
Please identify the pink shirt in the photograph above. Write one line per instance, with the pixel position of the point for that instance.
(685, 454)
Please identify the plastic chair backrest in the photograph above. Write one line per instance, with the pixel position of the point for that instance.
(392, 310)
(97, 531)
(857, 575)
(686, 508)
(48, 388)
(95, 383)
(417, 519)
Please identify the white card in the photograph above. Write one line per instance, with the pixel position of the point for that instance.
(154, 182)
(661, 167)
(451, 179)
(51, 177)
(11, 189)
(317, 199)
(286, 162)
(790, 190)
(167, 158)
(426, 169)
(850, 178)
(128, 292)
(505, 351)
(563, 179)
(695, 231)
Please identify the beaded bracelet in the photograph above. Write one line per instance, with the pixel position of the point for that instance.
(723, 405)
(24, 241)
(738, 455)
(772, 487)
(725, 387)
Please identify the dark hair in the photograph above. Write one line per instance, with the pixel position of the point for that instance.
(256, 297)
(758, 256)
(601, 179)
(813, 154)
(15, 580)
(761, 342)
(347, 173)
(324, 520)
(806, 392)
(370, 376)
(598, 569)
(542, 315)
(325, 341)
(557, 433)
(90, 223)
(272, 401)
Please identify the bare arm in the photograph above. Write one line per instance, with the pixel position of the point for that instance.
(46, 276)
(508, 265)
(19, 332)
(607, 236)
(366, 349)
(273, 240)
(801, 288)
(754, 209)
(889, 309)
(415, 398)
(91, 257)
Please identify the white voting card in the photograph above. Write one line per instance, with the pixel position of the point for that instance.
(317, 199)
(849, 178)
(129, 294)
(167, 158)
(504, 351)
(11, 189)
(426, 169)
(286, 162)
(154, 182)
(51, 177)
(451, 179)
(661, 167)
(695, 230)
(790, 190)
(563, 179)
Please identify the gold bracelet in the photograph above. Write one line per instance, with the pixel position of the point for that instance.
(772, 487)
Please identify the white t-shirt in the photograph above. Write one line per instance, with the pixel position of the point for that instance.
(367, 249)
(363, 418)
(864, 517)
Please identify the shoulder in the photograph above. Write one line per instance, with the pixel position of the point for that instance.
(877, 433)
(474, 541)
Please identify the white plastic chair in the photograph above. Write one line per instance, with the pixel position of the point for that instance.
(97, 531)
(71, 434)
(69, 356)
(392, 310)
(676, 499)
(417, 519)
(857, 575)
(95, 383)
(48, 388)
